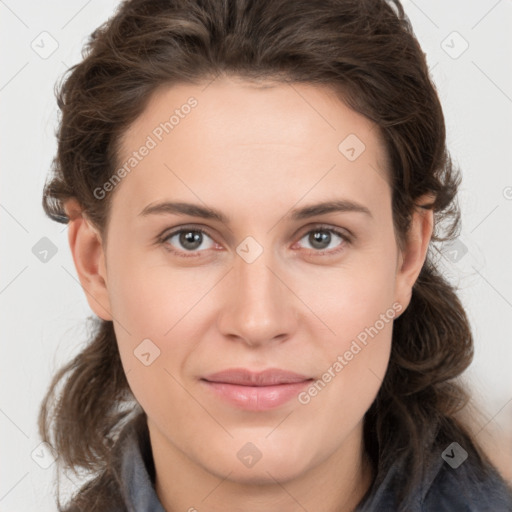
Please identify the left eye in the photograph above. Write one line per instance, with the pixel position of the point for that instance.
(192, 239)
(320, 238)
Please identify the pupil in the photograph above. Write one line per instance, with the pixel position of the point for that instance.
(190, 239)
(322, 237)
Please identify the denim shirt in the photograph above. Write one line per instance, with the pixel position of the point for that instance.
(443, 489)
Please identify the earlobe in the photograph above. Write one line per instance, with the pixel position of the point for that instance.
(412, 258)
(88, 255)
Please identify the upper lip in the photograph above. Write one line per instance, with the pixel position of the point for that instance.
(245, 377)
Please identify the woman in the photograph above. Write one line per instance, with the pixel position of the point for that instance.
(251, 190)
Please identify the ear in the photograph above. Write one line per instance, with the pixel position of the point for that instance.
(413, 255)
(88, 254)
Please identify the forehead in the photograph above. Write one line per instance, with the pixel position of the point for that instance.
(252, 139)
(233, 111)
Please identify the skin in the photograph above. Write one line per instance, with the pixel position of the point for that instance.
(254, 153)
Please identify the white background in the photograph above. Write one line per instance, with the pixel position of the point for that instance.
(44, 308)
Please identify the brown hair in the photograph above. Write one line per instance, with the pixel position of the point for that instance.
(367, 52)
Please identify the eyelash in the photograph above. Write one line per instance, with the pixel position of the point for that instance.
(162, 239)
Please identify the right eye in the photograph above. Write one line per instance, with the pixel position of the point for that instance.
(190, 240)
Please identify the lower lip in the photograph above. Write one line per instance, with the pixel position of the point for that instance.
(257, 398)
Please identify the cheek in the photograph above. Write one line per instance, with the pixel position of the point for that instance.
(148, 297)
(355, 363)
(164, 303)
(153, 315)
(155, 307)
(357, 304)
(353, 296)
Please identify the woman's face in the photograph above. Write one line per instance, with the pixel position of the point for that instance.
(270, 286)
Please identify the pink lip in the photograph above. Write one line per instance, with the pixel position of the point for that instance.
(256, 391)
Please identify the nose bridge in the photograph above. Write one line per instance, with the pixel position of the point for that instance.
(260, 307)
(255, 280)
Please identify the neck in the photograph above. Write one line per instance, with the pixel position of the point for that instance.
(336, 484)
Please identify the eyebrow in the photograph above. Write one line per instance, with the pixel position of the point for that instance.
(194, 210)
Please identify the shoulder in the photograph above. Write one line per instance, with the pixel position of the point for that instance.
(98, 495)
(126, 483)
(471, 487)
(467, 488)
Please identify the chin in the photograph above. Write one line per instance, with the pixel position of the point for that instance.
(262, 474)
(281, 465)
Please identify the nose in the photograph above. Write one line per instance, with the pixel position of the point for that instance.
(259, 306)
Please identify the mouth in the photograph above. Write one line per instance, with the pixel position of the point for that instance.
(256, 391)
